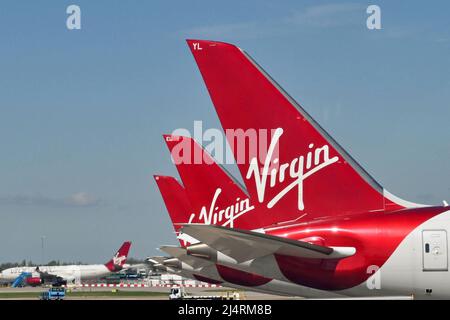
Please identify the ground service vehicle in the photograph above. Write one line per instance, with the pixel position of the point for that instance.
(53, 294)
(180, 294)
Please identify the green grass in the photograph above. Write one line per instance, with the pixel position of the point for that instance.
(87, 294)
(223, 290)
(18, 295)
(116, 294)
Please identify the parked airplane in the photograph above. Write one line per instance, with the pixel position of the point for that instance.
(205, 268)
(337, 227)
(72, 273)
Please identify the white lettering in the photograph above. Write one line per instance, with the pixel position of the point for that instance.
(224, 216)
(73, 21)
(296, 168)
(374, 20)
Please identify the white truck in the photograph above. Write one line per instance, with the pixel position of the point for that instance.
(179, 293)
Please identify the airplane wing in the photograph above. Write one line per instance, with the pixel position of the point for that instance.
(47, 277)
(133, 266)
(182, 255)
(243, 245)
(155, 260)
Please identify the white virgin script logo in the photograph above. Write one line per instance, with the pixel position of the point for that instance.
(316, 160)
(226, 215)
(118, 260)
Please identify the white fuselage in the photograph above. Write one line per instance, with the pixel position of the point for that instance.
(71, 273)
(410, 270)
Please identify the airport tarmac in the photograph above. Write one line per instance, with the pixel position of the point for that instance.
(150, 293)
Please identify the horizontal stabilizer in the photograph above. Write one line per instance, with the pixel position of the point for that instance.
(243, 245)
(155, 260)
(181, 254)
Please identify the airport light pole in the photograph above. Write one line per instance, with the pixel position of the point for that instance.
(42, 247)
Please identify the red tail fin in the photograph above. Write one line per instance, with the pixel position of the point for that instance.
(120, 258)
(176, 201)
(313, 174)
(215, 197)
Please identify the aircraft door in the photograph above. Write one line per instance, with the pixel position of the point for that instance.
(434, 250)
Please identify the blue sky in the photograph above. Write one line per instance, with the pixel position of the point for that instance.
(82, 112)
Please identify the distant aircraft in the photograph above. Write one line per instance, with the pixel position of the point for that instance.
(61, 275)
(319, 221)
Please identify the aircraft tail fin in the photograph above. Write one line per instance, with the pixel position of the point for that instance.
(216, 197)
(177, 204)
(120, 258)
(310, 174)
